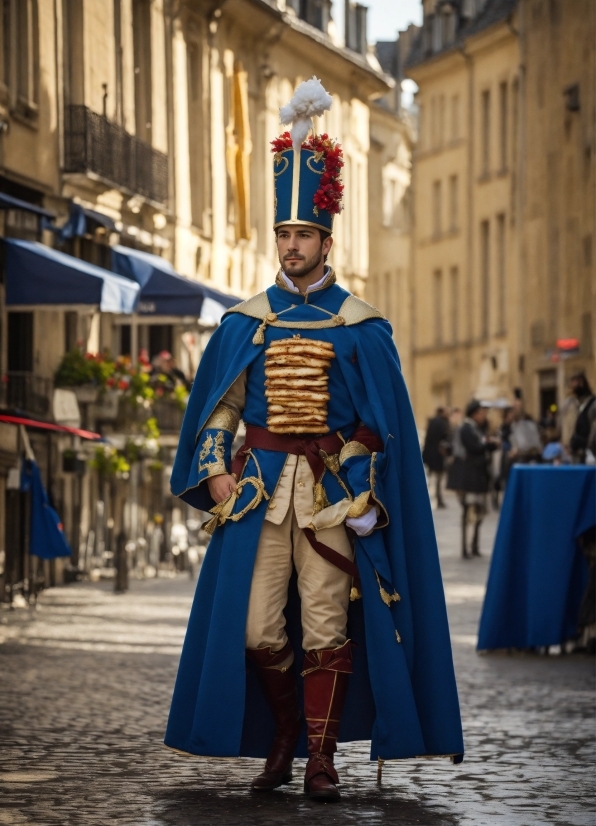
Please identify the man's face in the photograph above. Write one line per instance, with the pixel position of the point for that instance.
(480, 416)
(300, 249)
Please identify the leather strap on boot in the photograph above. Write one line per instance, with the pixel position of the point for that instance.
(320, 779)
(279, 686)
(326, 675)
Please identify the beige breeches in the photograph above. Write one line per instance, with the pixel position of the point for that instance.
(324, 589)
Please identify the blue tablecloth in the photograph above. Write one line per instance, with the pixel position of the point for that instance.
(538, 573)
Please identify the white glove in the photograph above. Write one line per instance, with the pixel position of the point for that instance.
(363, 525)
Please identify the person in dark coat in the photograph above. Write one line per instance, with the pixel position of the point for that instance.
(437, 446)
(583, 438)
(474, 474)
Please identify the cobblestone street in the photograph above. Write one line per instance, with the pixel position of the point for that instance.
(85, 688)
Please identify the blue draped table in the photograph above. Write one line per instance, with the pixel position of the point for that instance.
(538, 572)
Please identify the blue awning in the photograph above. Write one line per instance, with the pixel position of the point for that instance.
(8, 202)
(36, 275)
(163, 291)
(81, 221)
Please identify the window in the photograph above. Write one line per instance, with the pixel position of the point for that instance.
(455, 117)
(421, 126)
(20, 342)
(318, 14)
(194, 67)
(239, 148)
(394, 201)
(503, 124)
(436, 209)
(387, 302)
(72, 13)
(118, 50)
(433, 122)
(514, 128)
(454, 287)
(484, 277)
(21, 54)
(501, 274)
(441, 124)
(453, 203)
(485, 133)
(141, 29)
(71, 323)
(438, 306)
(449, 27)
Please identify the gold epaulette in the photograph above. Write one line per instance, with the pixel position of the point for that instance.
(256, 307)
(355, 310)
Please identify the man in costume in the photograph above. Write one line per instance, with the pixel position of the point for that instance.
(323, 537)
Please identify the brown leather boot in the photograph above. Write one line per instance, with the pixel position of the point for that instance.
(279, 686)
(326, 675)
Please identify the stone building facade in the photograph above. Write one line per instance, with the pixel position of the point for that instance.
(155, 117)
(392, 137)
(503, 181)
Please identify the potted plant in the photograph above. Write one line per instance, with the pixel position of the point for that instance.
(86, 374)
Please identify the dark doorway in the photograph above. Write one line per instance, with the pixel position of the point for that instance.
(160, 338)
(548, 397)
(125, 340)
(20, 342)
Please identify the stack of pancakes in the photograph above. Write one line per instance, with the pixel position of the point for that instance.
(296, 385)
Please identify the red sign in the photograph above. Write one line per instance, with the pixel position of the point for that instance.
(568, 343)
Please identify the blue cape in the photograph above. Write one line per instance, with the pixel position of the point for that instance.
(402, 694)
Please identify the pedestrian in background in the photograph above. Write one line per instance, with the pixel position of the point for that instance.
(568, 416)
(475, 474)
(584, 433)
(526, 444)
(505, 439)
(437, 447)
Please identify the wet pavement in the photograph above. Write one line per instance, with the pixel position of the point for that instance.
(85, 685)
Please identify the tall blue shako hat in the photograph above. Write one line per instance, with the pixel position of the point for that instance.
(308, 188)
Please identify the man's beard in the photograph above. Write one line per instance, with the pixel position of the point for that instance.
(307, 267)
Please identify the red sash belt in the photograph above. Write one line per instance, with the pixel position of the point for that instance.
(260, 437)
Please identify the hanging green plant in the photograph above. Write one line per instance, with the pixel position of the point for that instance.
(108, 461)
(78, 368)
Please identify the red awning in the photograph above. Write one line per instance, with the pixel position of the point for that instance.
(59, 428)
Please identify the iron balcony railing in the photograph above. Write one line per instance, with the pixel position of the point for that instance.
(26, 392)
(169, 416)
(93, 144)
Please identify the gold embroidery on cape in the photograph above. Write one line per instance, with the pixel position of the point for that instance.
(223, 417)
(373, 486)
(359, 506)
(351, 449)
(218, 464)
(320, 498)
(206, 449)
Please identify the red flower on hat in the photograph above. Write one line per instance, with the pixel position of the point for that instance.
(330, 192)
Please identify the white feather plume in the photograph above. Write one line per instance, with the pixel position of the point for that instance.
(310, 99)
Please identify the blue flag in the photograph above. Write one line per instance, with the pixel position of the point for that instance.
(47, 539)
